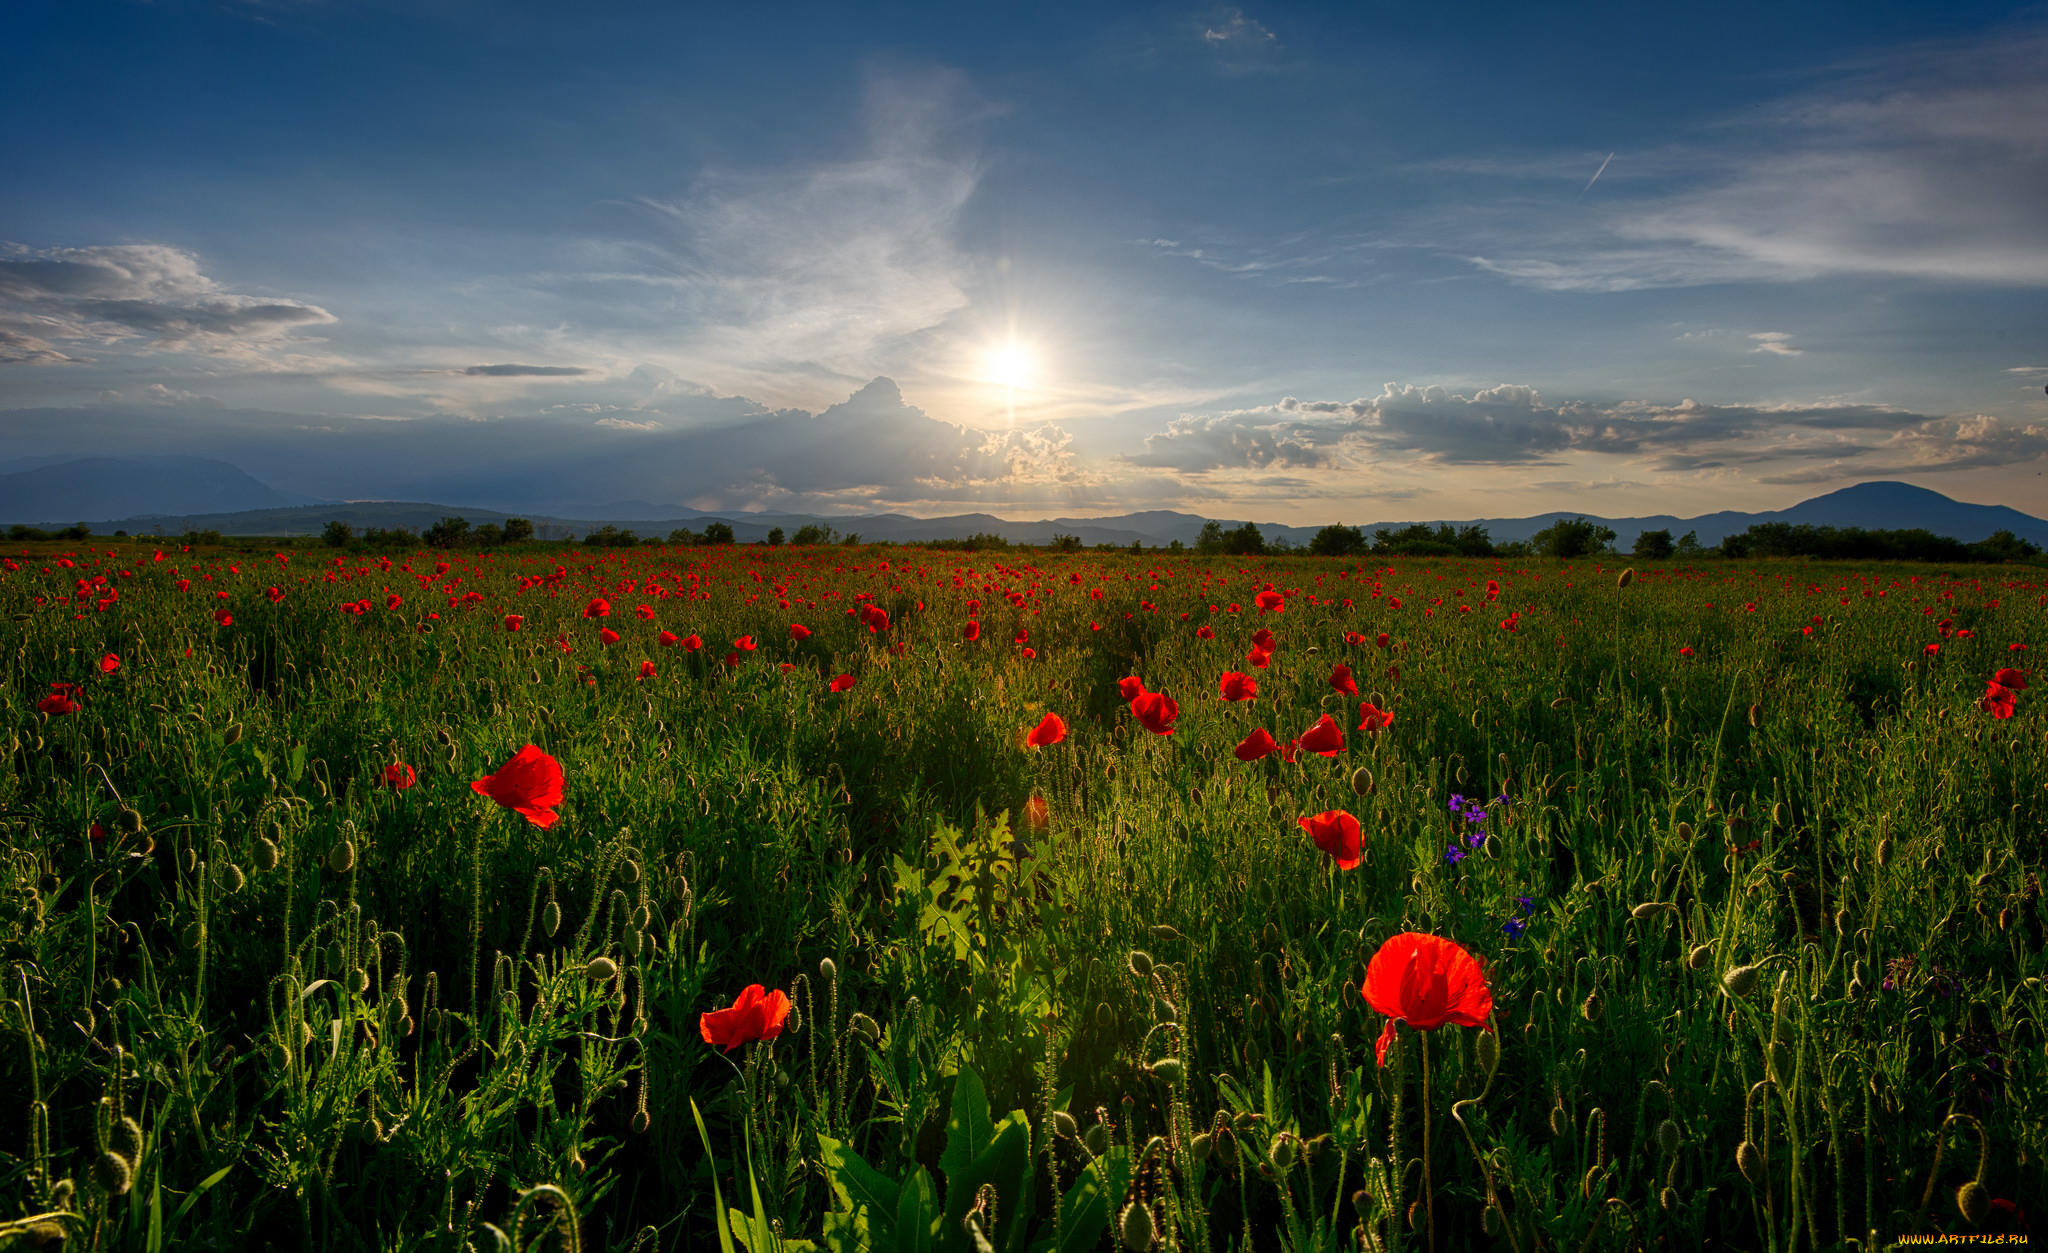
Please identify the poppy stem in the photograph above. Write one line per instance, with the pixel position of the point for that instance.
(1428, 1189)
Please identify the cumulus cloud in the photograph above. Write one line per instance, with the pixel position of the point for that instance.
(151, 293)
(1778, 343)
(1930, 163)
(1514, 425)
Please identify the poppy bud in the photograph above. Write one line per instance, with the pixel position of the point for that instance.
(828, 970)
(1560, 702)
(635, 940)
(359, 981)
(1884, 851)
(1141, 963)
(1683, 831)
(231, 878)
(1700, 956)
(343, 858)
(640, 1122)
(1739, 981)
(1974, 1202)
(1648, 909)
(1282, 1154)
(1781, 1061)
(1667, 1137)
(266, 855)
(602, 968)
(1667, 1200)
(1591, 1008)
(1488, 1049)
(629, 873)
(234, 735)
(113, 1174)
(1164, 933)
(1756, 715)
(1750, 1160)
(1135, 1228)
(130, 820)
(1361, 781)
(1105, 1017)
(1627, 577)
(127, 1138)
(1167, 1069)
(1096, 1140)
(867, 1028)
(551, 917)
(1491, 1220)
(1063, 1125)
(1778, 814)
(1560, 1122)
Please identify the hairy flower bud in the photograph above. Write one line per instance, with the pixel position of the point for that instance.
(266, 855)
(1698, 958)
(1096, 1140)
(1063, 1125)
(343, 858)
(551, 917)
(1667, 1137)
(1974, 1202)
(1739, 981)
(113, 1173)
(1627, 576)
(1750, 1160)
(602, 968)
(1136, 1228)
(1141, 963)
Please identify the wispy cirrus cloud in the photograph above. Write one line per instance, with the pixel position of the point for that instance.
(1930, 162)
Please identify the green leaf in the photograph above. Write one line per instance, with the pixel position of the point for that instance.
(968, 1130)
(857, 1185)
(1003, 1163)
(1085, 1210)
(918, 1215)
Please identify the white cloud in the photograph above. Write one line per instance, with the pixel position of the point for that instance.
(121, 293)
(1776, 342)
(1930, 163)
(626, 424)
(1235, 28)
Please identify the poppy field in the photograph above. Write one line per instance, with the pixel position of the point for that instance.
(883, 898)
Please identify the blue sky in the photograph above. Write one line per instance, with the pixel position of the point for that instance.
(1302, 263)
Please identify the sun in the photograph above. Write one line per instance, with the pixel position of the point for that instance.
(1009, 365)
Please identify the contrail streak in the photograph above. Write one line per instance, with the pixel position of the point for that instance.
(1596, 175)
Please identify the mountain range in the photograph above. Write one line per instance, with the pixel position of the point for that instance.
(171, 495)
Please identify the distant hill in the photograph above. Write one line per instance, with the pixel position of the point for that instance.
(1874, 506)
(65, 492)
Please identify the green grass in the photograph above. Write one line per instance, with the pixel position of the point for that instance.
(340, 1017)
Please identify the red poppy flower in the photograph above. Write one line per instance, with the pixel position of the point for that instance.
(1341, 679)
(2014, 679)
(1382, 639)
(607, 636)
(1932, 650)
(744, 643)
(756, 1015)
(57, 704)
(647, 670)
(1372, 718)
(1425, 981)
(1336, 833)
(843, 682)
(111, 663)
(1256, 745)
(668, 639)
(599, 608)
(531, 782)
(1130, 687)
(645, 612)
(398, 776)
(1685, 650)
(1263, 640)
(971, 632)
(223, 617)
(875, 617)
(393, 601)
(798, 631)
(1998, 701)
(1270, 601)
(1204, 633)
(732, 658)
(691, 643)
(1051, 729)
(514, 621)
(1237, 686)
(1038, 813)
(1259, 658)
(1325, 737)
(1156, 710)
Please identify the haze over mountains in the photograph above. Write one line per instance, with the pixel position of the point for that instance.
(174, 494)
